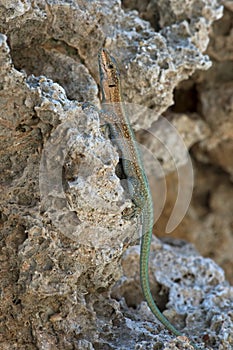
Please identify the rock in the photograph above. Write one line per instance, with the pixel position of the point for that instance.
(62, 231)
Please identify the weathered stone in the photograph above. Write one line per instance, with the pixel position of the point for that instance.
(62, 231)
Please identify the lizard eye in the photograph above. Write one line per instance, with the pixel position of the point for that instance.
(110, 66)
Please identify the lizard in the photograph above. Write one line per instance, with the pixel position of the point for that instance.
(122, 135)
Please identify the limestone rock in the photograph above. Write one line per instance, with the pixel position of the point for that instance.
(62, 231)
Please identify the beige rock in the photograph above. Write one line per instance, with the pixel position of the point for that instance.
(62, 232)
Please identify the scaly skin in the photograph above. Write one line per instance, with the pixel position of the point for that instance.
(122, 135)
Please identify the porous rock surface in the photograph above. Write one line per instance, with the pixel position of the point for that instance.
(62, 232)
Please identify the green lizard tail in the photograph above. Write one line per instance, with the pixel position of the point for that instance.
(144, 265)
